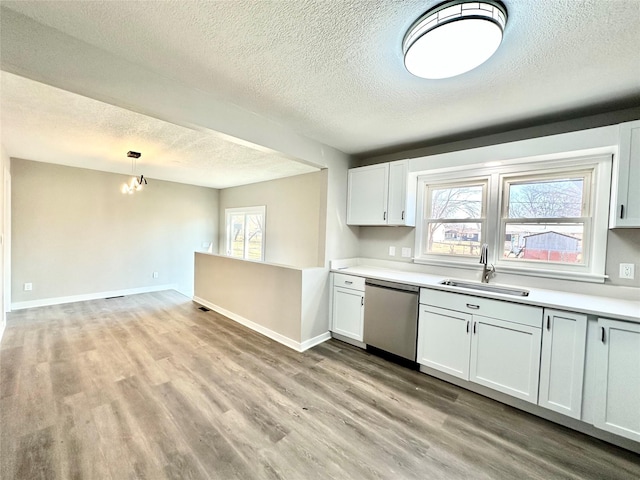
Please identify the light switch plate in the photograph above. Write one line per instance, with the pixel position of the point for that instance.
(627, 271)
(392, 251)
(28, 287)
(406, 252)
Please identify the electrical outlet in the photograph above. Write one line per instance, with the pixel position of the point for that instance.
(392, 251)
(28, 287)
(627, 271)
(406, 252)
(155, 274)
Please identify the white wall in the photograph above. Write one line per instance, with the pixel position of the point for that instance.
(75, 233)
(295, 217)
(5, 236)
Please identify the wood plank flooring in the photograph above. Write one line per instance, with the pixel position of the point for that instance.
(148, 386)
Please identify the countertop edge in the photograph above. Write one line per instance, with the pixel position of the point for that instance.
(608, 307)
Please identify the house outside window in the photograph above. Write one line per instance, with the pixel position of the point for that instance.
(245, 233)
(546, 218)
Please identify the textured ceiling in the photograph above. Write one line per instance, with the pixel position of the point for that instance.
(47, 124)
(332, 70)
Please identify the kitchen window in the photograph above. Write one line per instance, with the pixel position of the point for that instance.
(245, 232)
(454, 219)
(541, 218)
(546, 218)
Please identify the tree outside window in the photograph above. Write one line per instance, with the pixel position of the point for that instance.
(245, 232)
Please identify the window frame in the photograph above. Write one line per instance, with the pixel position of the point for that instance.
(585, 209)
(246, 211)
(443, 181)
(481, 182)
(593, 246)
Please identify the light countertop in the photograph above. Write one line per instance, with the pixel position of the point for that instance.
(589, 304)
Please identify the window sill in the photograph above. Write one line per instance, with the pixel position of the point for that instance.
(508, 269)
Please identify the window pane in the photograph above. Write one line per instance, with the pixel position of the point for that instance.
(254, 236)
(544, 242)
(453, 238)
(456, 202)
(236, 223)
(546, 199)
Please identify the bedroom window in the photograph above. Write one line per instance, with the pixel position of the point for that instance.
(245, 232)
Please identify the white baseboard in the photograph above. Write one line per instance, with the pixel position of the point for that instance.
(312, 342)
(293, 344)
(4, 325)
(45, 302)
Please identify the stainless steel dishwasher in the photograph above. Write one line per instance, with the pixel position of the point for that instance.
(391, 317)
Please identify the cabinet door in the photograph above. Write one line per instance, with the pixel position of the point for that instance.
(564, 339)
(505, 356)
(367, 195)
(397, 213)
(625, 204)
(618, 387)
(444, 340)
(348, 312)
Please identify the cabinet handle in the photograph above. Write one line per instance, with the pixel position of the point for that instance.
(384, 216)
(602, 337)
(548, 322)
(474, 327)
(467, 326)
(348, 282)
(362, 301)
(472, 306)
(621, 211)
(402, 214)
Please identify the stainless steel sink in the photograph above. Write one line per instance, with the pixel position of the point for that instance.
(484, 287)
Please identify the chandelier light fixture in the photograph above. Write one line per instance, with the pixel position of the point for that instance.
(136, 183)
(453, 38)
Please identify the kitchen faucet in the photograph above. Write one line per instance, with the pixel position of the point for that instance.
(486, 271)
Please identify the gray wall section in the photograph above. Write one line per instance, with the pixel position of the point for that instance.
(295, 217)
(75, 233)
(268, 295)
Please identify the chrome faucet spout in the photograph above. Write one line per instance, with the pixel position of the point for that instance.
(484, 251)
(486, 271)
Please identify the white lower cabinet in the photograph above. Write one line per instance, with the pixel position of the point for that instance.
(618, 373)
(505, 356)
(348, 307)
(445, 340)
(562, 364)
(499, 353)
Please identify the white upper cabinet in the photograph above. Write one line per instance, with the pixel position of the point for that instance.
(618, 386)
(381, 195)
(564, 340)
(402, 198)
(625, 194)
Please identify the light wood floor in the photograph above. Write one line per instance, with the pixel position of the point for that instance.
(148, 386)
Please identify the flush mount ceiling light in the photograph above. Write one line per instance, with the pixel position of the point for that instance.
(453, 38)
(136, 183)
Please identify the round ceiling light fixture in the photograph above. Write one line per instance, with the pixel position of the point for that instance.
(453, 38)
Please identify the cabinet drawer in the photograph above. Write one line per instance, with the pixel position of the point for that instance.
(511, 312)
(348, 281)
